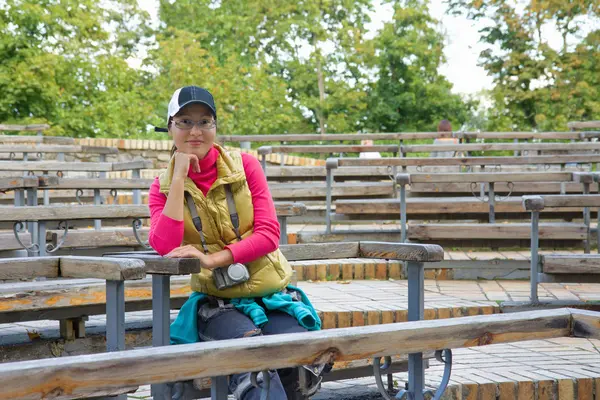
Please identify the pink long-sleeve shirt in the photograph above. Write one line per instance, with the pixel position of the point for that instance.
(167, 233)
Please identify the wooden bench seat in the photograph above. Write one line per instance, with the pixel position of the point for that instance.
(74, 166)
(318, 190)
(48, 148)
(567, 231)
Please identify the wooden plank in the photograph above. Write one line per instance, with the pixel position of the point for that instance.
(100, 373)
(402, 251)
(297, 173)
(492, 177)
(156, 264)
(333, 137)
(18, 182)
(56, 148)
(586, 324)
(327, 149)
(102, 268)
(118, 184)
(571, 264)
(518, 187)
(312, 190)
(8, 241)
(29, 268)
(567, 147)
(572, 200)
(129, 165)
(55, 166)
(24, 128)
(320, 251)
(117, 237)
(61, 213)
(496, 231)
(289, 209)
(584, 125)
(444, 161)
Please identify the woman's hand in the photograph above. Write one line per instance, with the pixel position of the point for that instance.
(182, 164)
(190, 251)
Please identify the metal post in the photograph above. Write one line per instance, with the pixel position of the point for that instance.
(161, 319)
(137, 193)
(563, 184)
(403, 213)
(115, 321)
(416, 310)
(598, 227)
(482, 185)
(492, 202)
(263, 162)
(218, 388)
(60, 157)
(283, 230)
(586, 221)
(32, 226)
(330, 164)
(102, 159)
(535, 237)
(41, 236)
(516, 152)
(282, 155)
(97, 201)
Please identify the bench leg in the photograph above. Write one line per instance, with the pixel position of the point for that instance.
(403, 233)
(115, 321)
(161, 319)
(416, 310)
(535, 237)
(283, 227)
(219, 388)
(586, 221)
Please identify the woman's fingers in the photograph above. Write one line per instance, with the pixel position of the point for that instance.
(195, 163)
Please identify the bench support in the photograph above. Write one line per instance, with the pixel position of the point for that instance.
(161, 317)
(115, 321)
(416, 311)
(535, 239)
(283, 230)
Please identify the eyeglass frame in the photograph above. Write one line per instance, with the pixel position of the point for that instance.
(196, 123)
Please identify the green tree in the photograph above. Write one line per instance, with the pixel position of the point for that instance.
(410, 94)
(63, 63)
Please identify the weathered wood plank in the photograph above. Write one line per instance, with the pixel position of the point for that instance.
(319, 251)
(117, 237)
(156, 264)
(80, 376)
(573, 200)
(49, 148)
(119, 184)
(402, 251)
(569, 231)
(443, 161)
(517, 187)
(289, 209)
(492, 177)
(299, 173)
(73, 166)
(18, 182)
(584, 125)
(59, 213)
(567, 147)
(311, 190)
(586, 324)
(327, 149)
(136, 164)
(102, 268)
(571, 264)
(29, 268)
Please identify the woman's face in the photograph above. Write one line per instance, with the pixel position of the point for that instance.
(188, 136)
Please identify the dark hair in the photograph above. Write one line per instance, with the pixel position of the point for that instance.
(444, 126)
(173, 149)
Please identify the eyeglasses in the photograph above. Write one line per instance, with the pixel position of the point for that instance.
(188, 124)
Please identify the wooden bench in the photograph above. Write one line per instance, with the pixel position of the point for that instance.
(114, 270)
(59, 150)
(111, 373)
(560, 268)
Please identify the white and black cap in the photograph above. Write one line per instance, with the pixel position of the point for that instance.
(189, 95)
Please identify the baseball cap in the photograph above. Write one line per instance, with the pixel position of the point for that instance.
(189, 95)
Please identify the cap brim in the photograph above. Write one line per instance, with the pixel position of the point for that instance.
(157, 129)
(214, 112)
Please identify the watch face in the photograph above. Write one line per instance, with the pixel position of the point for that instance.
(236, 272)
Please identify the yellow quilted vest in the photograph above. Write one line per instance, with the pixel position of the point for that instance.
(268, 274)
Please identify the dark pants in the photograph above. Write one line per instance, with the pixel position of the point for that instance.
(232, 324)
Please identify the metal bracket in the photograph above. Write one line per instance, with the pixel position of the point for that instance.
(443, 356)
(510, 187)
(114, 194)
(266, 379)
(78, 194)
(18, 226)
(137, 224)
(12, 156)
(419, 168)
(50, 248)
(474, 186)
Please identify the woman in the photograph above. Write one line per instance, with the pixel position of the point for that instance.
(215, 205)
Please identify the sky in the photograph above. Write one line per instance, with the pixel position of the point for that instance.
(462, 45)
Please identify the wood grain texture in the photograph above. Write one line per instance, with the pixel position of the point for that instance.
(119, 184)
(29, 268)
(572, 200)
(114, 269)
(583, 125)
(327, 149)
(402, 251)
(315, 190)
(56, 148)
(492, 177)
(156, 264)
(586, 324)
(443, 161)
(73, 166)
(584, 177)
(289, 209)
(320, 251)
(18, 182)
(80, 376)
(567, 147)
(571, 264)
(106, 237)
(302, 173)
(58, 213)
(518, 187)
(533, 203)
(570, 231)
(127, 165)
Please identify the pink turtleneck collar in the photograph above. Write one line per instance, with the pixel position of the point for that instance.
(208, 171)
